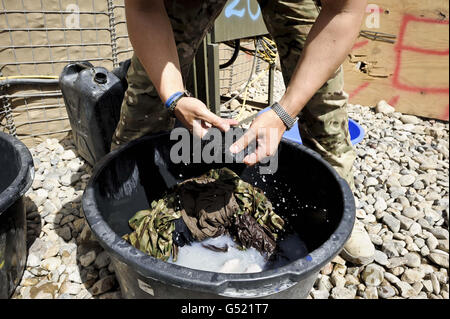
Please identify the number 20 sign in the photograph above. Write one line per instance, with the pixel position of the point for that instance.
(233, 10)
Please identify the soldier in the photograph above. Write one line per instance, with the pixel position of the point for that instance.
(313, 40)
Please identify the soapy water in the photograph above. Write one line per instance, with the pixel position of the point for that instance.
(195, 256)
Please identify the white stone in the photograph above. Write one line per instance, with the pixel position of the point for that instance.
(410, 212)
(385, 292)
(412, 276)
(373, 275)
(407, 180)
(384, 108)
(432, 242)
(381, 258)
(66, 180)
(49, 207)
(409, 119)
(33, 260)
(439, 258)
(415, 229)
(74, 165)
(371, 181)
(68, 155)
(343, 293)
(413, 260)
(380, 205)
(51, 263)
(320, 294)
(371, 292)
(392, 222)
(406, 290)
(70, 288)
(42, 193)
(52, 251)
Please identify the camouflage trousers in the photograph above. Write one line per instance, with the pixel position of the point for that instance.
(323, 122)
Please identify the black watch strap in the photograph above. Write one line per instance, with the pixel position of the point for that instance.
(284, 116)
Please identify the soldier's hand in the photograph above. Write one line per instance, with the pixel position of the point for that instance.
(196, 117)
(267, 129)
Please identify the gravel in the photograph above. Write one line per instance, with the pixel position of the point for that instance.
(405, 158)
(64, 260)
(402, 197)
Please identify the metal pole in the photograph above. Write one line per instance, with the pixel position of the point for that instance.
(212, 50)
(271, 83)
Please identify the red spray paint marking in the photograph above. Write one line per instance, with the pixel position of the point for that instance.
(445, 116)
(424, 51)
(401, 47)
(358, 89)
(360, 44)
(370, 10)
(394, 100)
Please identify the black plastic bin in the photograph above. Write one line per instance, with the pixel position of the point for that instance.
(129, 178)
(16, 176)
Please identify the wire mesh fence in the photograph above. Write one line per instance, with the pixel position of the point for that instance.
(39, 37)
(236, 76)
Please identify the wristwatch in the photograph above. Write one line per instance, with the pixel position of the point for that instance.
(284, 116)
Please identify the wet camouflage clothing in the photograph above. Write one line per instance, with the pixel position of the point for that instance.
(211, 205)
(324, 120)
(252, 201)
(251, 234)
(208, 204)
(212, 199)
(153, 229)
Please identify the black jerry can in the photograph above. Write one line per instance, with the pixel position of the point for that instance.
(93, 97)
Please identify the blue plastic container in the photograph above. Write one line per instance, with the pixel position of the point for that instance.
(356, 132)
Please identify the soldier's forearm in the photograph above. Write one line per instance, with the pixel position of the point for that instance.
(153, 42)
(328, 43)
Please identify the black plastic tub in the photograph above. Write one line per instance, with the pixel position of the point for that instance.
(129, 178)
(16, 177)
